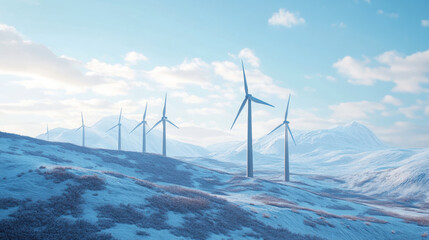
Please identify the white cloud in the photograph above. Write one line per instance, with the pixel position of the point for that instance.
(99, 68)
(285, 18)
(355, 110)
(188, 98)
(339, 25)
(391, 100)
(193, 72)
(249, 56)
(425, 23)
(318, 75)
(256, 80)
(205, 111)
(134, 57)
(392, 15)
(409, 112)
(309, 89)
(404, 134)
(408, 73)
(427, 111)
(330, 78)
(112, 88)
(26, 59)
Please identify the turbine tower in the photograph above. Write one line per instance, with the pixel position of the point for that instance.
(164, 120)
(286, 123)
(143, 123)
(248, 99)
(119, 130)
(47, 132)
(83, 130)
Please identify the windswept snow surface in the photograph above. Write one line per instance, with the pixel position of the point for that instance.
(58, 190)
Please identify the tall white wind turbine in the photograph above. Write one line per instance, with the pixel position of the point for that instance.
(119, 130)
(248, 99)
(164, 120)
(143, 123)
(47, 132)
(287, 128)
(83, 130)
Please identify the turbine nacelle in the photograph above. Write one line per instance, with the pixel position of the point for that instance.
(119, 130)
(248, 98)
(164, 120)
(287, 130)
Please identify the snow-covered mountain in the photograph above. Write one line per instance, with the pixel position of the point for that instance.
(96, 137)
(52, 190)
(353, 136)
(351, 153)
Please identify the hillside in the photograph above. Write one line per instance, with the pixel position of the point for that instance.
(59, 190)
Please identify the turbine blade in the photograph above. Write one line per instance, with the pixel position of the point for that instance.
(276, 128)
(112, 127)
(172, 124)
(120, 115)
(239, 111)
(244, 76)
(288, 128)
(81, 114)
(146, 123)
(154, 126)
(78, 129)
(287, 108)
(260, 101)
(165, 104)
(144, 115)
(136, 126)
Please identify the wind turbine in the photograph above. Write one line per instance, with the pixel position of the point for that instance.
(248, 99)
(119, 130)
(47, 132)
(144, 129)
(83, 130)
(286, 123)
(164, 120)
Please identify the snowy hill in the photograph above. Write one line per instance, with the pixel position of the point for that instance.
(350, 153)
(96, 137)
(59, 190)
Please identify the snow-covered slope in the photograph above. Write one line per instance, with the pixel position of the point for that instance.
(350, 153)
(63, 191)
(408, 182)
(96, 137)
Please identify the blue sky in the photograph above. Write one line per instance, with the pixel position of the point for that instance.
(343, 61)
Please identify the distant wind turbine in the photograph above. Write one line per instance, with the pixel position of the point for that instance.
(286, 123)
(83, 130)
(144, 123)
(119, 130)
(249, 99)
(47, 132)
(164, 120)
